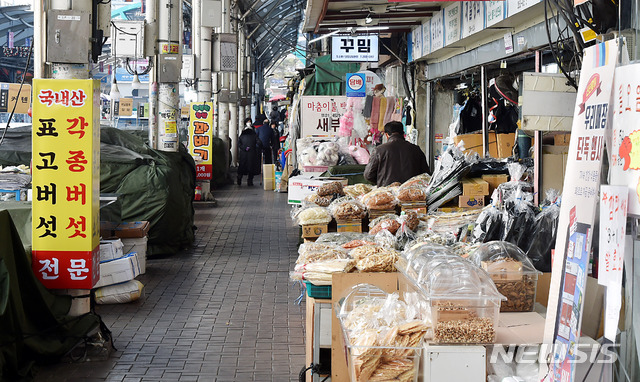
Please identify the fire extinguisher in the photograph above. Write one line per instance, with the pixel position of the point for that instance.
(198, 195)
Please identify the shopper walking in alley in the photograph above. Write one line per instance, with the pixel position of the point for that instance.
(275, 115)
(397, 160)
(275, 143)
(249, 150)
(265, 134)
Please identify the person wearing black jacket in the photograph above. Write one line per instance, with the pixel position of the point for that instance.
(275, 142)
(249, 151)
(265, 134)
(397, 160)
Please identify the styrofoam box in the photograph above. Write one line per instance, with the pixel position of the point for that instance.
(119, 270)
(138, 245)
(111, 250)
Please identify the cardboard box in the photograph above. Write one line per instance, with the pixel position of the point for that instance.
(118, 271)
(132, 229)
(314, 230)
(473, 142)
(475, 186)
(495, 180)
(302, 186)
(139, 246)
(562, 139)
(341, 286)
(269, 177)
(111, 249)
(350, 226)
(554, 164)
(108, 229)
(471, 201)
(505, 144)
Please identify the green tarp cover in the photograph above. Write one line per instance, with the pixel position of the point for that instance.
(153, 185)
(34, 326)
(328, 71)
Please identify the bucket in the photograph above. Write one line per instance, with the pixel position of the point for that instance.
(524, 144)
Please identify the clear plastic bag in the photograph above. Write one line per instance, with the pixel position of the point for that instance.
(322, 201)
(309, 253)
(542, 238)
(328, 154)
(380, 199)
(332, 188)
(387, 222)
(347, 208)
(358, 190)
(340, 238)
(374, 258)
(385, 239)
(414, 189)
(488, 226)
(313, 215)
(320, 272)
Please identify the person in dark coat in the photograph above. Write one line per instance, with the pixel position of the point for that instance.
(275, 115)
(265, 134)
(249, 150)
(397, 160)
(275, 143)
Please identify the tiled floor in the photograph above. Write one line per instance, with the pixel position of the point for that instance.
(222, 311)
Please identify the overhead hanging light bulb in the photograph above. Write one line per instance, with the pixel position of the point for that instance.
(115, 92)
(135, 84)
(368, 20)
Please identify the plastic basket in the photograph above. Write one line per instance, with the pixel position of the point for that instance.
(318, 291)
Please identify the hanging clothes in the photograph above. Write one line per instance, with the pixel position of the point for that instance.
(382, 110)
(391, 104)
(366, 112)
(375, 112)
(397, 110)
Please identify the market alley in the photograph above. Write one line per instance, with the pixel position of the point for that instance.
(221, 311)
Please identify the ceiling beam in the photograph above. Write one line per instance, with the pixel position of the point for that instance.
(325, 5)
(350, 16)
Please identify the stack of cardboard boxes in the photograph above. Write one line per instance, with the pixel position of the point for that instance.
(474, 193)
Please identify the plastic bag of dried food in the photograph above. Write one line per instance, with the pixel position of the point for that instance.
(357, 190)
(374, 258)
(314, 215)
(320, 272)
(358, 243)
(380, 199)
(332, 188)
(347, 208)
(517, 218)
(340, 238)
(414, 193)
(387, 222)
(385, 239)
(418, 180)
(313, 252)
(406, 233)
(322, 201)
(542, 238)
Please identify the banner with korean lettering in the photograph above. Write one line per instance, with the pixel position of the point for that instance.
(201, 138)
(345, 48)
(320, 115)
(10, 95)
(66, 183)
(624, 156)
(577, 214)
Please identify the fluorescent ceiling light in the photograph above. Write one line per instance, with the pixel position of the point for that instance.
(324, 36)
(372, 29)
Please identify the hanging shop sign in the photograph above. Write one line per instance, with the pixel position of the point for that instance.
(416, 39)
(613, 220)
(201, 138)
(66, 183)
(452, 23)
(472, 17)
(356, 85)
(426, 37)
(320, 115)
(625, 141)
(577, 214)
(354, 48)
(126, 107)
(9, 96)
(517, 6)
(495, 11)
(437, 31)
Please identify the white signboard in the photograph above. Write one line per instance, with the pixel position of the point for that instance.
(472, 17)
(426, 37)
(577, 213)
(437, 31)
(515, 6)
(417, 42)
(495, 12)
(452, 22)
(625, 141)
(354, 48)
(320, 115)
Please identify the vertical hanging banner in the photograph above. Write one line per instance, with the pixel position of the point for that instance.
(577, 214)
(66, 183)
(625, 140)
(201, 138)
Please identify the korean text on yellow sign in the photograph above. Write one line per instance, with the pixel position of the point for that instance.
(201, 138)
(66, 183)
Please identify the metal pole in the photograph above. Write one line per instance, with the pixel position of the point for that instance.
(202, 53)
(233, 104)
(151, 37)
(168, 72)
(39, 36)
(483, 94)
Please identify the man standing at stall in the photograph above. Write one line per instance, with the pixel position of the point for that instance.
(265, 134)
(397, 160)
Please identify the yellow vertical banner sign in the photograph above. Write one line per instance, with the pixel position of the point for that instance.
(66, 183)
(201, 138)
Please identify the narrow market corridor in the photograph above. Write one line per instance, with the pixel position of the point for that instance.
(221, 311)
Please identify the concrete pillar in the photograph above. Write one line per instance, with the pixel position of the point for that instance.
(151, 41)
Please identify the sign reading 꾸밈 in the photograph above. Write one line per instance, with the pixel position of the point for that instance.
(354, 48)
